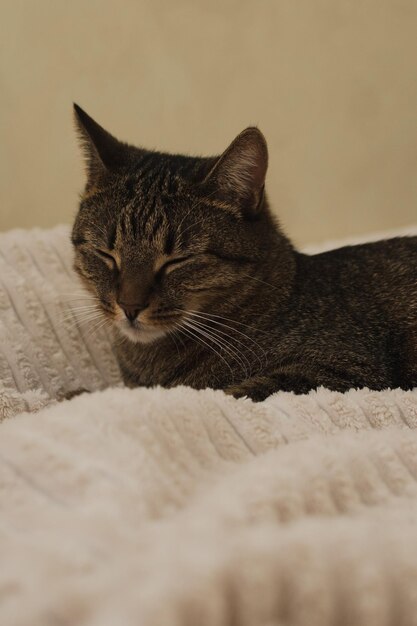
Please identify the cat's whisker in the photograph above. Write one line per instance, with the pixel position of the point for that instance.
(209, 318)
(69, 312)
(213, 334)
(80, 292)
(228, 319)
(85, 318)
(189, 335)
(192, 209)
(80, 322)
(97, 326)
(225, 338)
(81, 315)
(173, 331)
(79, 299)
(209, 346)
(68, 302)
(106, 324)
(223, 325)
(192, 225)
(83, 309)
(259, 280)
(241, 347)
(118, 340)
(100, 228)
(61, 298)
(86, 307)
(199, 332)
(171, 334)
(81, 325)
(184, 218)
(91, 314)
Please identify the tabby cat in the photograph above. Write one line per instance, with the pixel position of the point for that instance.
(202, 288)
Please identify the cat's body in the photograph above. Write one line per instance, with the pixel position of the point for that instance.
(326, 333)
(206, 291)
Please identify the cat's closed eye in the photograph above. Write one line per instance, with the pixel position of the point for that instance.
(174, 263)
(108, 258)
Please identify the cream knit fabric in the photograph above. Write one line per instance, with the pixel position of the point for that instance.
(45, 351)
(177, 507)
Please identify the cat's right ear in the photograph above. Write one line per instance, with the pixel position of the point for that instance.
(103, 152)
(238, 176)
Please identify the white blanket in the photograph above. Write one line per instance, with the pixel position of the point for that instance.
(45, 350)
(155, 507)
(185, 508)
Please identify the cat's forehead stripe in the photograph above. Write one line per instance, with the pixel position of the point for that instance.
(149, 222)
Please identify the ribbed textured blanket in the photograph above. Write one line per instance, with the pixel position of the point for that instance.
(45, 350)
(185, 508)
(178, 507)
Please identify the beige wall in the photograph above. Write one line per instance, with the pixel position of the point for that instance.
(332, 84)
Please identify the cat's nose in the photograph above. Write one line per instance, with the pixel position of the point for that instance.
(131, 311)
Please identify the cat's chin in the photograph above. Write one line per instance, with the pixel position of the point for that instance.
(140, 335)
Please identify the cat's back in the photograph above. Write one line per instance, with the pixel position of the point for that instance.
(380, 276)
(391, 257)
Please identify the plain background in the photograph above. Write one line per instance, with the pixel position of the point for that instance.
(331, 83)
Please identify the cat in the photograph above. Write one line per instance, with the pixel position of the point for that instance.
(202, 288)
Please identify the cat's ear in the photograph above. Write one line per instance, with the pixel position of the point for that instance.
(239, 173)
(102, 151)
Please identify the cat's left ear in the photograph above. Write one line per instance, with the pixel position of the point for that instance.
(239, 174)
(102, 151)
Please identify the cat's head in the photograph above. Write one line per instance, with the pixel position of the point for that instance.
(160, 235)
